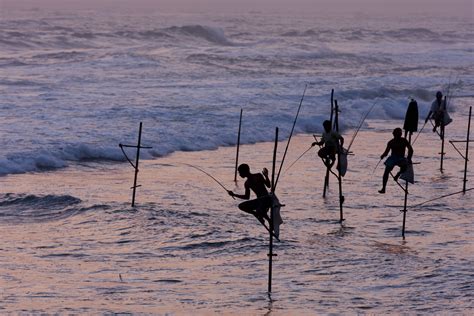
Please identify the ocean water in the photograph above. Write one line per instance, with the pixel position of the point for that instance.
(73, 85)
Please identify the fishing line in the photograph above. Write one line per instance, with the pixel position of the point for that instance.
(413, 143)
(441, 197)
(360, 124)
(209, 175)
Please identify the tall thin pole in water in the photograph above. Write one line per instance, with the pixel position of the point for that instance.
(326, 178)
(442, 129)
(466, 157)
(270, 254)
(339, 177)
(137, 160)
(238, 146)
(406, 196)
(332, 106)
(136, 164)
(410, 125)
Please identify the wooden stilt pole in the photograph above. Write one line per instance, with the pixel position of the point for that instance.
(406, 196)
(332, 107)
(331, 118)
(238, 147)
(136, 164)
(137, 160)
(442, 130)
(270, 254)
(339, 177)
(336, 116)
(442, 153)
(466, 157)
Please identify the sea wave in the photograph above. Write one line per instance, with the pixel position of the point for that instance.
(211, 34)
(18, 208)
(26, 208)
(362, 34)
(45, 160)
(208, 131)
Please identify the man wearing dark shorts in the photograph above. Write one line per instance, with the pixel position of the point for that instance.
(397, 158)
(258, 183)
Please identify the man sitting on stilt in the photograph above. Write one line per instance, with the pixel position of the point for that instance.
(397, 158)
(258, 183)
(332, 142)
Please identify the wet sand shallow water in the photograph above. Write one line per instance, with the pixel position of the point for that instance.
(73, 244)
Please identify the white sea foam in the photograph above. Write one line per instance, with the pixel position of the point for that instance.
(74, 87)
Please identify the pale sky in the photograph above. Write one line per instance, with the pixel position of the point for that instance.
(382, 7)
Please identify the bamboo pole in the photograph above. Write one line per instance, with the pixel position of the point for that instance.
(339, 177)
(136, 164)
(442, 130)
(466, 157)
(406, 196)
(270, 254)
(326, 178)
(238, 147)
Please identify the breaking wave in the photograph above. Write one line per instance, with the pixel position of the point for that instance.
(210, 34)
(21, 208)
(45, 160)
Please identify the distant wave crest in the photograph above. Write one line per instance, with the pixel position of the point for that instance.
(211, 34)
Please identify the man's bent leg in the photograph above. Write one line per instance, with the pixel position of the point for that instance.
(385, 178)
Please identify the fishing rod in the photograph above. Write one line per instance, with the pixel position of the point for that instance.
(376, 166)
(413, 143)
(360, 125)
(301, 156)
(291, 134)
(209, 175)
(441, 197)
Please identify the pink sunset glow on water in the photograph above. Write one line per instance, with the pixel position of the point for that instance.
(78, 78)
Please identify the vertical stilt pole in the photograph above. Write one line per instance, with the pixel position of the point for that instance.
(238, 146)
(332, 106)
(326, 182)
(270, 254)
(442, 147)
(339, 178)
(136, 164)
(466, 157)
(442, 129)
(406, 196)
(336, 116)
(331, 118)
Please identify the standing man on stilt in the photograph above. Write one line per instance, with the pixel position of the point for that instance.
(437, 111)
(397, 158)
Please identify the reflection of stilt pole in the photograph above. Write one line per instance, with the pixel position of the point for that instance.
(270, 254)
(466, 158)
(326, 178)
(339, 177)
(238, 146)
(406, 196)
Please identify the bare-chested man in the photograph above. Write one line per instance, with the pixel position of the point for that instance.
(397, 158)
(258, 183)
